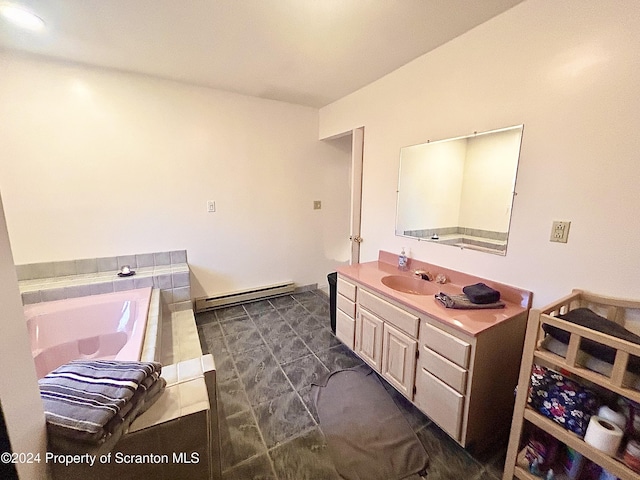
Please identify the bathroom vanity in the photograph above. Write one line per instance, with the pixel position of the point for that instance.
(459, 367)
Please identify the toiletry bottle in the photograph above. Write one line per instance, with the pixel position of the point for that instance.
(402, 261)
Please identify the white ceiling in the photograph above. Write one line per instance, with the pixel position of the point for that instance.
(310, 52)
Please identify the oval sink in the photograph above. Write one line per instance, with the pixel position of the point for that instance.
(401, 283)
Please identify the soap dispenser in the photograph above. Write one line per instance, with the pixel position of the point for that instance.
(403, 263)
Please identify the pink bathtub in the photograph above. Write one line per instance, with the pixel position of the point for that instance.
(109, 326)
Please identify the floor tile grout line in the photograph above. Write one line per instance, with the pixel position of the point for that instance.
(251, 409)
(280, 365)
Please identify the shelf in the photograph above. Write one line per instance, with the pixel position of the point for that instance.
(590, 375)
(572, 440)
(611, 309)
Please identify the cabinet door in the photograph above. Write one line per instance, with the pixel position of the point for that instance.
(399, 359)
(369, 338)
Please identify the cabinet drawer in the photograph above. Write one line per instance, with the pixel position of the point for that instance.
(445, 344)
(345, 329)
(347, 289)
(347, 306)
(439, 402)
(392, 314)
(444, 369)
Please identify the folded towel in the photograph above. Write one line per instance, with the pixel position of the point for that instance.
(481, 293)
(463, 303)
(88, 400)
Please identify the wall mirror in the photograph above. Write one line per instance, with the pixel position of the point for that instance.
(459, 191)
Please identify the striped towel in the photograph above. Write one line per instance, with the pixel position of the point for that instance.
(462, 302)
(88, 400)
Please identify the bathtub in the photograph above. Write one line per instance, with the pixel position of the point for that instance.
(110, 326)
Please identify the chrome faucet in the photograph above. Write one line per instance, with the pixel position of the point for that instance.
(423, 274)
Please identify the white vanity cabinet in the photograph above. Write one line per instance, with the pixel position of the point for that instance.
(346, 312)
(386, 338)
(463, 382)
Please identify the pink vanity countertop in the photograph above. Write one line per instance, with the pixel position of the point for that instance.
(471, 322)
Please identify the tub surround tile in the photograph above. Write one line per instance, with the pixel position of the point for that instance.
(162, 281)
(87, 265)
(182, 294)
(100, 288)
(180, 279)
(23, 272)
(74, 291)
(107, 264)
(162, 258)
(144, 260)
(142, 282)
(53, 294)
(65, 268)
(192, 399)
(123, 284)
(178, 256)
(29, 298)
(42, 270)
(166, 296)
(281, 418)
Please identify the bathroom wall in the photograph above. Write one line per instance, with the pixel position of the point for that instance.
(19, 395)
(98, 163)
(569, 71)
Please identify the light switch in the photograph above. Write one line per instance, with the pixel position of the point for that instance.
(211, 206)
(317, 204)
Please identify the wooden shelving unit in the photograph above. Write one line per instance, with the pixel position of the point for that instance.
(613, 309)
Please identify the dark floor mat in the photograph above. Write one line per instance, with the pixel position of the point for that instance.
(367, 436)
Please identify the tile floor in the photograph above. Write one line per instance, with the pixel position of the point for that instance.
(267, 353)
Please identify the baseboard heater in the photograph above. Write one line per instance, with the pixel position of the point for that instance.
(233, 298)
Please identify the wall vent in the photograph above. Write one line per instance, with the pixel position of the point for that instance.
(234, 298)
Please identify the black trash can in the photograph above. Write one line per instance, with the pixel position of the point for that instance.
(333, 292)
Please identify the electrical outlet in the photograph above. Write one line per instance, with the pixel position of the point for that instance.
(560, 232)
(317, 204)
(211, 206)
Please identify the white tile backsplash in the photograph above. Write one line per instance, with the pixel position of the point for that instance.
(94, 276)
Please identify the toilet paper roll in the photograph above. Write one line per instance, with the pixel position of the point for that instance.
(612, 416)
(603, 435)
